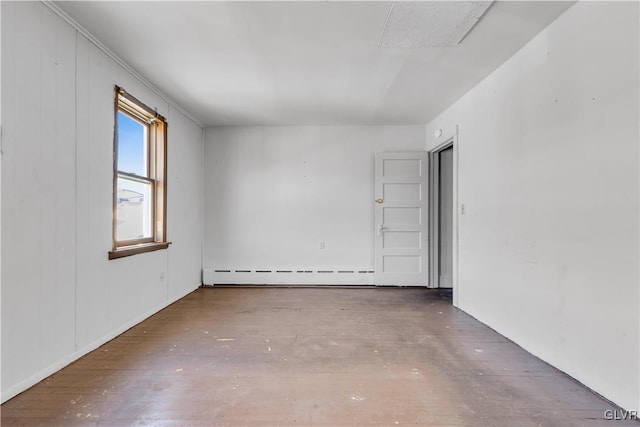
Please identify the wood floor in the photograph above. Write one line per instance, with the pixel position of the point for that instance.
(309, 357)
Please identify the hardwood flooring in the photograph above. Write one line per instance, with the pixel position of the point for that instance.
(309, 357)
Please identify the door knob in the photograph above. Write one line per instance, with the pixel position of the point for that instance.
(379, 201)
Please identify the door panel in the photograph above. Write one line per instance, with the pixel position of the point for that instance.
(401, 192)
(401, 168)
(400, 214)
(401, 240)
(402, 264)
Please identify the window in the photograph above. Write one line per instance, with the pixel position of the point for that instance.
(139, 179)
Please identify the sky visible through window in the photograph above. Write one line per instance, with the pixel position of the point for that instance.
(134, 197)
(131, 145)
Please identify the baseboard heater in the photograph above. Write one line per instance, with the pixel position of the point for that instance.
(288, 276)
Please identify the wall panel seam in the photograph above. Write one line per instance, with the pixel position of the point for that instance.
(94, 40)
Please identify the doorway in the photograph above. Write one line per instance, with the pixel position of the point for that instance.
(443, 217)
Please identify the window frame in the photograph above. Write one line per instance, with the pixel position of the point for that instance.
(156, 175)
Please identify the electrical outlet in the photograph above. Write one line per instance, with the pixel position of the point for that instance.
(162, 276)
(321, 245)
(462, 209)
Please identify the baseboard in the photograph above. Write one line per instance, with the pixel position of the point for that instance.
(288, 276)
(52, 369)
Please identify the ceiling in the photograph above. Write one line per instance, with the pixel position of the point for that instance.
(299, 63)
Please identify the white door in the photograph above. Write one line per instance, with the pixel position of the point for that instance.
(401, 206)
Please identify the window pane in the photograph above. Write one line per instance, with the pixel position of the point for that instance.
(134, 217)
(132, 145)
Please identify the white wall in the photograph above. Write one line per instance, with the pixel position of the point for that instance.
(61, 297)
(548, 173)
(272, 194)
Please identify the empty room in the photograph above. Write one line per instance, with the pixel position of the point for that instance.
(320, 213)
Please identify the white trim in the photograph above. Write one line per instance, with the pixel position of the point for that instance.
(288, 276)
(434, 276)
(456, 213)
(69, 20)
(202, 202)
(52, 369)
(434, 217)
